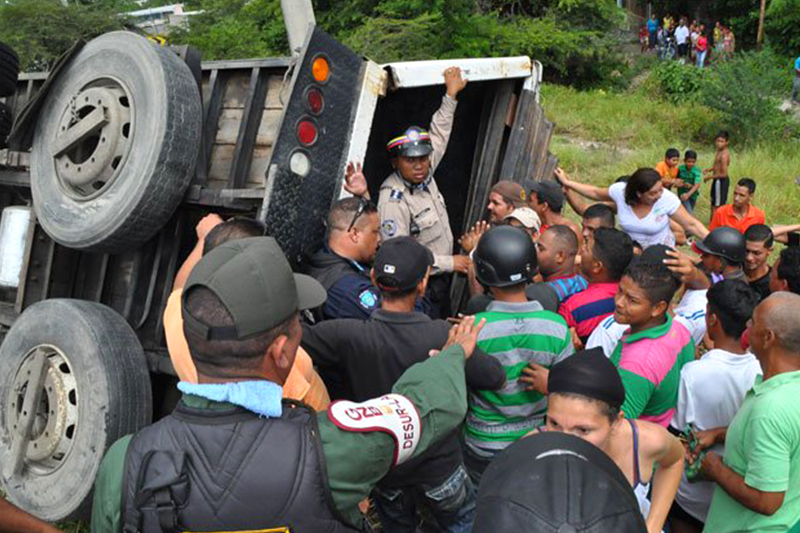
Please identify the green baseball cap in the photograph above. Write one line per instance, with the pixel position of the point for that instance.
(254, 281)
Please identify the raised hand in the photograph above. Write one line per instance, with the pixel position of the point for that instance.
(355, 182)
(536, 377)
(453, 81)
(206, 224)
(470, 239)
(465, 333)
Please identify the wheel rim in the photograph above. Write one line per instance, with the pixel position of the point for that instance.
(55, 424)
(93, 138)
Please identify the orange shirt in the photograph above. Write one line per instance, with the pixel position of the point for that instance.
(668, 175)
(303, 382)
(724, 216)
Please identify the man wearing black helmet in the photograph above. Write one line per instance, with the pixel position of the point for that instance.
(517, 332)
(723, 253)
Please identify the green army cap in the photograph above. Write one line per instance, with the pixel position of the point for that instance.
(254, 281)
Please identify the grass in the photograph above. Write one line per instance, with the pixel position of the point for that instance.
(601, 135)
(74, 527)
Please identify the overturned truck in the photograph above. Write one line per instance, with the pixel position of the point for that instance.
(125, 145)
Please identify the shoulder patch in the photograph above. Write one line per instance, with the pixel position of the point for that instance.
(393, 414)
(367, 299)
(389, 227)
(396, 195)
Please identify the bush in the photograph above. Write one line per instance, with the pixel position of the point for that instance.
(781, 23)
(677, 82)
(746, 92)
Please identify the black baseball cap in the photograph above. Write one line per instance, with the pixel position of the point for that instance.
(400, 264)
(254, 281)
(585, 490)
(547, 191)
(588, 373)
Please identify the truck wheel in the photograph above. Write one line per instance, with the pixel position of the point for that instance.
(115, 145)
(6, 120)
(74, 373)
(9, 70)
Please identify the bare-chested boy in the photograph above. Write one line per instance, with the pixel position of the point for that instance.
(719, 172)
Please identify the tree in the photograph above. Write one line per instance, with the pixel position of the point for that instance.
(41, 30)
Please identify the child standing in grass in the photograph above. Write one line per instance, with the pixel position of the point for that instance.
(668, 168)
(719, 172)
(689, 181)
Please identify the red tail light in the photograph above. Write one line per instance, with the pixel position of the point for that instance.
(315, 100)
(307, 132)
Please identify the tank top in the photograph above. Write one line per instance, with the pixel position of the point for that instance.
(640, 489)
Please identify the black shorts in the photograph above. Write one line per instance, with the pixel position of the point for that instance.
(719, 191)
(677, 512)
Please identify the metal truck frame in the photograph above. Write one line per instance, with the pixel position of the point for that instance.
(83, 359)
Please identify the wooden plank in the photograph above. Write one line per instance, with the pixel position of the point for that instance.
(248, 130)
(523, 168)
(519, 138)
(211, 112)
(541, 149)
(486, 166)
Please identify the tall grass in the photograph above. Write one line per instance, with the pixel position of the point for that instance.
(600, 136)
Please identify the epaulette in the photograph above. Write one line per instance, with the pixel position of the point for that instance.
(396, 195)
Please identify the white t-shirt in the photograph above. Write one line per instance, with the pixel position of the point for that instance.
(711, 391)
(691, 312)
(652, 229)
(681, 34)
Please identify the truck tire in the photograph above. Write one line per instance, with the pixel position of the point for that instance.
(116, 144)
(9, 70)
(95, 389)
(6, 121)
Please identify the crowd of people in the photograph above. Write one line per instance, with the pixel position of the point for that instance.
(314, 400)
(687, 41)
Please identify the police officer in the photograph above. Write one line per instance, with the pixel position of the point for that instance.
(232, 456)
(410, 202)
(342, 266)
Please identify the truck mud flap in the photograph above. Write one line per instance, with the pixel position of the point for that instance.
(308, 156)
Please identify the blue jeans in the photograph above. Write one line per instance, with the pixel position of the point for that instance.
(451, 502)
(689, 205)
(701, 58)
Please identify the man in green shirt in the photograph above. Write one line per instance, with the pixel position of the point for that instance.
(232, 457)
(759, 478)
(518, 333)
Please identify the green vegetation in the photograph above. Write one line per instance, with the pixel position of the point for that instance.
(782, 21)
(41, 30)
(600, 136)
(574, 39)
(744, 92)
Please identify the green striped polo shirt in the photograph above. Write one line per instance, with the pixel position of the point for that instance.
(516, 334)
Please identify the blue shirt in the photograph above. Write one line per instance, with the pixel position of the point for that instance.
(652, 25)
(353, 296)
(797, 67)
(567, 286)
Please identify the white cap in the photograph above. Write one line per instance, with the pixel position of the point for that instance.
(527, 217)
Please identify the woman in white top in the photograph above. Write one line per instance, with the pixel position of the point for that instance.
(643, 205)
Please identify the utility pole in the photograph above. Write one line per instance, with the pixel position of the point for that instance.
(760, 35)
(297, 16)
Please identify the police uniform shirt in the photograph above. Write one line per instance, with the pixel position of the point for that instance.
(419, 210)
